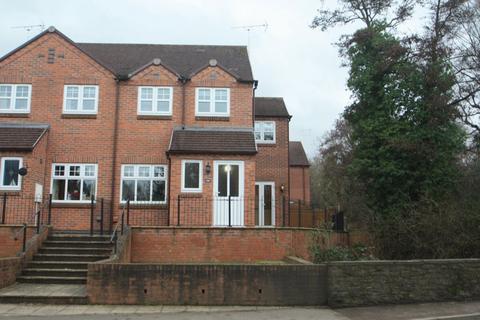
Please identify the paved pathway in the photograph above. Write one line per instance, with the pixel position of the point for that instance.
(432, 311)
(44, 290)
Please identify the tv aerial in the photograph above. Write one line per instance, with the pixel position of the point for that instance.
(251, 27)
(31, 27)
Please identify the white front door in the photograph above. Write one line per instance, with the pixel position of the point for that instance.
(265, 203)
(228, 201)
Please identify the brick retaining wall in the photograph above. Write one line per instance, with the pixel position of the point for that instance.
(9, 268)
(206, 284)
(395, 282)
(187, 244)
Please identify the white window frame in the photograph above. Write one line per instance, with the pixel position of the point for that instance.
(212, 113)
(80, 99)
(262, 132)
(137, 177)
(67, 177)
(154, 111)
(200, 176)
(13, 98)
(2, 165)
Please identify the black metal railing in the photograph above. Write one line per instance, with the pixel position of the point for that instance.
(25, 209)
(101, 216)
(121, 225)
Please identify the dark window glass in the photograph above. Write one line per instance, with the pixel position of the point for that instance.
(10, 172)
(88, 189)
(234, 180)
(143, 190)
(58, 190)
(158, 191)
(222, 180)
(73, 190)
(192, 175)
(128, 190)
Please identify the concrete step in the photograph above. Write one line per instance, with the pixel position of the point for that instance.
(77, 237)
(74, 250)
(55, 272)
(69, 257)
(57, 265)
(51, 280)
(62, 300)
(77, 244)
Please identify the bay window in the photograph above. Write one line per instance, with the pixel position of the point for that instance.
(144, 183)
(74, 182)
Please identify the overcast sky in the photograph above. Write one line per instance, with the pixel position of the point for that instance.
(289, 59)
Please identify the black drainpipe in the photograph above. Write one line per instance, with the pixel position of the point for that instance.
(115, 142)
(255, 85)
(183, 81)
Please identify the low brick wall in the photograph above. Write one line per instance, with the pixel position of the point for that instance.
(396, 282)
(9, 268)
(206, 284)
(11, 239)
(199, 245)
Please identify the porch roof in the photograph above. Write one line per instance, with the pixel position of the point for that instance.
(21, 136)
(213, 141)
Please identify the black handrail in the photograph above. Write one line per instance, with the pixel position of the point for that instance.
(121, 224)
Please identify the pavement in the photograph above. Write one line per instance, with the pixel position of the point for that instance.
(44, 290)
(431, 311)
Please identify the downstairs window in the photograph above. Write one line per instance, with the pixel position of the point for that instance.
(143, 183)
(74, 182)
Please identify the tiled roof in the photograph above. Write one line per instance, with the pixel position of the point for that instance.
(213, 140)
(123, 60)
(270, 107)
(185, 60)
(297, 156)
(20, 136)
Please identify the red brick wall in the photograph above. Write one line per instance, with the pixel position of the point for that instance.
(11, 238)
(272, 162)
(71, 140)
(177, 245)
(300, 183)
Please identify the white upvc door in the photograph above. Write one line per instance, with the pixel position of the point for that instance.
(228, 199)
(265, 204)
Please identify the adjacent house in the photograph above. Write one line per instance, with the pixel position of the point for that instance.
(299, 173)
(174, 130)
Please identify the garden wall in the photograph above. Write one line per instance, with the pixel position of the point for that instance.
(195, 244)
(9, 268)
(110, 283)
(396, 282)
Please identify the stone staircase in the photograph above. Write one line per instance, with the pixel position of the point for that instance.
(63, 259)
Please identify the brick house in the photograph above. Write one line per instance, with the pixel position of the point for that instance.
(174, 129)
(299, 173)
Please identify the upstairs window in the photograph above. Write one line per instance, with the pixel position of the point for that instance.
(213, 102)
(10, 179)
(265, 131)
(80, 99)
(15, 98)
(73, 182)
(155, 100)
(144, 183)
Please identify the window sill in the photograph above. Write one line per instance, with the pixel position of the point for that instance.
(147, 206)
(10, 192)
(211, 118)
(153, 117)
(14, 115)
(191, 194)
(266, 144)
(70, 205)
(78, 116)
